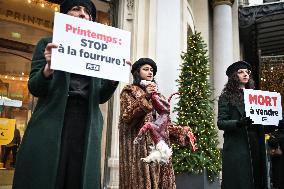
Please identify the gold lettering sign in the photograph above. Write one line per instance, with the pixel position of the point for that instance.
(27, 18)
(18, 16)
(22, 12)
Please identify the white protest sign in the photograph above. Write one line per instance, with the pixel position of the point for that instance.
(263, 107)
(89, 48)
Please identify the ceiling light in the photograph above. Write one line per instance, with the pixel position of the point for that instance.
(16, 35)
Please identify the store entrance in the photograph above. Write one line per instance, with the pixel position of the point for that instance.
(15, 102)
(22, 23)
(272, 79)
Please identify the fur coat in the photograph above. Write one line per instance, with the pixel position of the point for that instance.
(135, 110)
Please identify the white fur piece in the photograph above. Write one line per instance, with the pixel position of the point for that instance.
(161, 153)
(144, 83)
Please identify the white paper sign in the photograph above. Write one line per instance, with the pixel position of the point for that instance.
(89, 48)
(10, 102)
(13, 103)
(263, 107)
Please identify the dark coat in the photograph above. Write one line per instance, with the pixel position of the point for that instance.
(281, 167)
(38, 156)
(277, 161)
(243, 158)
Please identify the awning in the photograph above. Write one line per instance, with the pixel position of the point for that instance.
(262, 28)
(261, 32)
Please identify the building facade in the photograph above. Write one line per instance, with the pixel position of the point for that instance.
(159, 30)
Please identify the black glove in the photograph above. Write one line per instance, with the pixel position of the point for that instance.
(244, 122)
(281, 124)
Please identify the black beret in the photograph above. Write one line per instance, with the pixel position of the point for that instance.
(143, 61)
(236, 66)
(67, 5)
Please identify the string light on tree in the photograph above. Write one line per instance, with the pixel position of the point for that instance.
(194, 109)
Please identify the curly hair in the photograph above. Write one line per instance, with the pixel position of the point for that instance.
(232, 91)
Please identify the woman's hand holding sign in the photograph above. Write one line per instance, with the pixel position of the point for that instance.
(244, 122)
(47, 54)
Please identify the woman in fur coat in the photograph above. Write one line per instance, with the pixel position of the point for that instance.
(136, 109)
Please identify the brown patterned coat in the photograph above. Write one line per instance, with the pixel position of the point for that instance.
(133, 173)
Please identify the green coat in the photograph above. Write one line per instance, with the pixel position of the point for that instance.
(38, 156)
(241, 149)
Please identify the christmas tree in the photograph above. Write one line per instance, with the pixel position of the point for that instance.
(195, 109)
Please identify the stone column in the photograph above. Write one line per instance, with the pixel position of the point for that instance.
(113, 160)
(169, 48)
(222, 44)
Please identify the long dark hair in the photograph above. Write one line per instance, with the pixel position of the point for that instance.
(232, 92)
(137, 78)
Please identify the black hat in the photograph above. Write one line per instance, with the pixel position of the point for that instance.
(67, 5)
(236, 66)
(143, 61)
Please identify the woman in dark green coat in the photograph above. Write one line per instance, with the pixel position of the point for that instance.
(243, 158)
(61, 148)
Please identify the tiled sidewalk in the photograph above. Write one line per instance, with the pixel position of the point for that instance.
(6, 187)
(6, 178)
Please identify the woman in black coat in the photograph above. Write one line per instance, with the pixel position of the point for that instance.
(243, 158)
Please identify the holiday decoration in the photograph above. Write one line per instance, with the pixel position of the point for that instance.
(272, 73)
(195, 109)
(43, 4)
